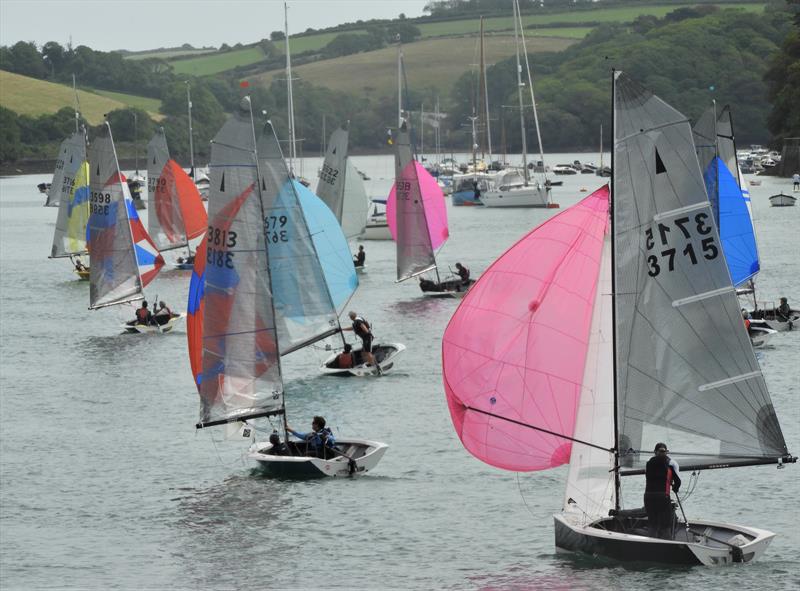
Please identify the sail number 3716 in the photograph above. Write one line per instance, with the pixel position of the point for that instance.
(665, 259)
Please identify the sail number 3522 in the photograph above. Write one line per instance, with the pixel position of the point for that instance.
(665, 259)
(217, 245)
(328, 174)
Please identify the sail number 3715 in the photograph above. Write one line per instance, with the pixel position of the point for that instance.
(665, 259)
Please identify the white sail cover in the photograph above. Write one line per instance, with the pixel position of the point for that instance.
(304, 310)
(341, 188)
(114, 272)
(414, 250)
(241, 374)
(590, 482)
(71, 154)
(686, 372)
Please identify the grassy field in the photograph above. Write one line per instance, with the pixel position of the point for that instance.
(218, 62)
(148, 104)
(435, 63)
(168, 54)
(605, 15)
(29, 96)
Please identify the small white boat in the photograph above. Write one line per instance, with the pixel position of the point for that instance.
(361, 269)
(564, 169)
(349, 457)
(154, 328)
(385, 354)
(781, 200)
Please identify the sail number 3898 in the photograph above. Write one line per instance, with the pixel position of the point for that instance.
(656, 262)
(98, 202)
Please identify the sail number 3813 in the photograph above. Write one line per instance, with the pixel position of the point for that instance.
(665, 259)
(217, 245)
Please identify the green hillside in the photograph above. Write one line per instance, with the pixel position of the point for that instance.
(29, 96)
(435, 63)
(536, 26)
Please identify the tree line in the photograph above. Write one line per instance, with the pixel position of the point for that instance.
(689, 57)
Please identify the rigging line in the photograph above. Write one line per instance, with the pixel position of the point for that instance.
(521, 424)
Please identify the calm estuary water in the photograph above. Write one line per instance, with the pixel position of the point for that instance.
(104, 483)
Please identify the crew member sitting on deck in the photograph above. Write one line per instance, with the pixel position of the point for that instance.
(345, 358)
(79, 266)
(360, 257)
(162, 314)
(320, 437)
(463, 272)
(783, 311)
(143, 315)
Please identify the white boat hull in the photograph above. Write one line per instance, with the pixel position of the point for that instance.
(151, 328)
(386, 355)
(376, 231)
(355, 457)
(695, 547)
(760, 335)
(516, 197)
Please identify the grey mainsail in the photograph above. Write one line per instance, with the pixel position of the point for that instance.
(114, 274)
(71, 154)
(69, 237)
(241, 375)
(303, 306)
(686, 372)
(341, 188)
(414, 250)
(161, 204)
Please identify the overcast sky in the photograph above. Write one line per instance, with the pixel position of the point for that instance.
(149, 24)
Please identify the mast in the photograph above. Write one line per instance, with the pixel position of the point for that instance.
(422, 132)
(292, 144)
(191, 139)
(484, 86)
(614, 289)
(530, 84)
(135, 143)
(519, 97)
(77, 105)
(601, 147)
(399, 82)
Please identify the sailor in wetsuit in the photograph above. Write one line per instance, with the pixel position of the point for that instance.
(363, 330)
(661, 473)
(360, 257)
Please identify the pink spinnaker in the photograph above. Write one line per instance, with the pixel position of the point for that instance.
(432, 201)
(514, 352)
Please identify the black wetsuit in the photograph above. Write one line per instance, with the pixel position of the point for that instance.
(362, 329)
(661, 476)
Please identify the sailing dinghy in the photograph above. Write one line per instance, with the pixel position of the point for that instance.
(311, 270)
(71, 193)
(177, 216)
(233, 328)
(341, 188)
(417, 216)
(730, 200)
(123, 257)
(613, 337)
